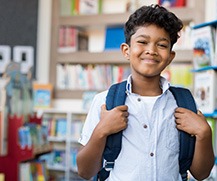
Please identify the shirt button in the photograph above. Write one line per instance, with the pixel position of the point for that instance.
(151, 154)
(145, 126)
(139, 99)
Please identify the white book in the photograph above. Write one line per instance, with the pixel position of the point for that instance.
(203, 47)
(89, 6)
(61, 80)
(205, 90)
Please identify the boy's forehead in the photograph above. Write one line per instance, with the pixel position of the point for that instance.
(151, 30)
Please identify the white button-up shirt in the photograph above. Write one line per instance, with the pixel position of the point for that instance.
(150, 143)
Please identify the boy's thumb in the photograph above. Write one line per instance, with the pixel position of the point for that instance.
(199, 112)
(103, 107)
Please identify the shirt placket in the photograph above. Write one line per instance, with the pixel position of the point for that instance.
(154, 137)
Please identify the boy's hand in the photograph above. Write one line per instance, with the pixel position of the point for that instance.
(114, 120)
(194, 124)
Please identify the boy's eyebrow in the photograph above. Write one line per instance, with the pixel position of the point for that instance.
(148, 37)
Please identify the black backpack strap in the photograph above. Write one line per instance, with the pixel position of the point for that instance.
(116, 96)
(185, 99)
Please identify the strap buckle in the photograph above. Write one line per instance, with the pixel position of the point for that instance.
(109, 166)
(184, 176)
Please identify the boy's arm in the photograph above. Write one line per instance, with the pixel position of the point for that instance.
(196, 124)
(89, 158)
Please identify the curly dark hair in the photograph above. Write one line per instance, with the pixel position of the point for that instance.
(153, 14)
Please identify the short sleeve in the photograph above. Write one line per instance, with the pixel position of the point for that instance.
(93, 117)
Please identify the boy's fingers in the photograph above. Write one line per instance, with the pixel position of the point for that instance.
(122, 108)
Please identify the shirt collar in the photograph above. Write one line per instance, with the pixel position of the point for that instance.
(164, 84)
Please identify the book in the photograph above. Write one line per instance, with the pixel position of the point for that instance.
(179, 75)
(68, 39)
(203, 47)
(87, 98)
(114, 38)
(82, 41)
(61, 127)
(205, 88)
(42, 95)
(90, 6)
(114, 6)
(3, 116)
(172, 3)
(212, 123)
(2, 177)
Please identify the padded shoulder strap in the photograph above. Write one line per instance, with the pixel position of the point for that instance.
(116, 96)
(185, 99)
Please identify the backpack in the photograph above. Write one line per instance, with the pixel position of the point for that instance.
(116, 96)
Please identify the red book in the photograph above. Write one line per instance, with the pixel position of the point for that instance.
(172, 3)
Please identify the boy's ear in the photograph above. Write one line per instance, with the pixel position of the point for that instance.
(125, 50)
(172, 56)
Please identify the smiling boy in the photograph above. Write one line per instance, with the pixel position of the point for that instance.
(150, 118)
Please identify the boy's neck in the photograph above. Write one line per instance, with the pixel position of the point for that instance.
(147, 86)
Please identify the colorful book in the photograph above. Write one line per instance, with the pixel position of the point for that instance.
(179, 75)
(203, 46)
(68, 39)
(42, 95)
(172, 3)
(205, 88)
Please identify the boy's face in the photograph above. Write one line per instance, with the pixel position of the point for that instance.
(149, 51)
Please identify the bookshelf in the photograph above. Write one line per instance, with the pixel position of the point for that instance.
(193, 12)
(15, 154)
(65, 146)
(205, 78)
(205, 70)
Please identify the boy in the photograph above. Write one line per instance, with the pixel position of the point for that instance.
(150, 118)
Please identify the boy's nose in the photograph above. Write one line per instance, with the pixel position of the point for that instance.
(151, 52)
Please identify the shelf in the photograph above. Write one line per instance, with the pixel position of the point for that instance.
(212, 23)
(213, 115)
(57, 138)
(111, 57)
(205, 68)
(192, 13)
(68, 94)
(56, 168)
(61, 110)
(42, 149)
(186, 13)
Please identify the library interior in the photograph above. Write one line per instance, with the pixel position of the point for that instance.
(57, 55)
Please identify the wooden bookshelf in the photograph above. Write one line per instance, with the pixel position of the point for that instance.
(193, 13)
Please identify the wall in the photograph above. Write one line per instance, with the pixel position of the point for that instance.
(19, 24)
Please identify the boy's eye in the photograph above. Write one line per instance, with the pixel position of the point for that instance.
(142, 42)
(162, 45)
